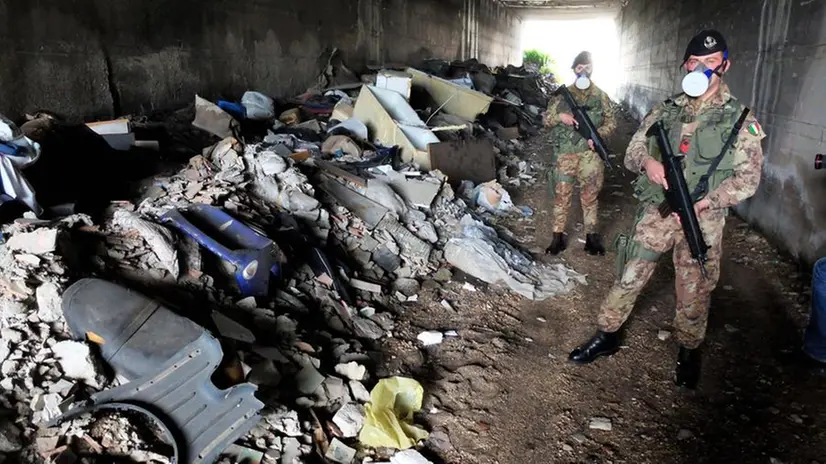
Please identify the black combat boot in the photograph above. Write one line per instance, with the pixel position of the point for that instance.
(601, 344)
(593, 244)
(557, 245)
(688, 368)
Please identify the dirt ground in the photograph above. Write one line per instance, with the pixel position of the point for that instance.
(504, 392)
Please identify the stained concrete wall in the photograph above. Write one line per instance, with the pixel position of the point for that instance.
(98, 59)
(499, 34)
(778, 68)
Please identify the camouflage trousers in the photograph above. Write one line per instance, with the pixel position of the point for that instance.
(653, 236)
(587, 169)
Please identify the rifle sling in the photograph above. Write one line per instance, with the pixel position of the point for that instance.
(703, 183)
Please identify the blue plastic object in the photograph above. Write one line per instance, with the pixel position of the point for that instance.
(231, 240)
(814, 343)
(237, 110)
(9, 149)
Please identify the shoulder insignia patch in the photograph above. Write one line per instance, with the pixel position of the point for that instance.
(755, 129)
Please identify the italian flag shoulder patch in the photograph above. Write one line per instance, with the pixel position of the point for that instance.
(755, 129)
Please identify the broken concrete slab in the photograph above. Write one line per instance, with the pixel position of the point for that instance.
(159, 239)
(417, 193)
(412, 247)
(48, 302)
(359, 392)
(38, 242)
(284, 421)
(352, 371)
(408, 287)
(211, 118)
(308, 380)
(76, 362)
(366, 286)
(366, 328)
(366, 209)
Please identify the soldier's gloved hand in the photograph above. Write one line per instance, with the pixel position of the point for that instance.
(655, 172)
(567, 119)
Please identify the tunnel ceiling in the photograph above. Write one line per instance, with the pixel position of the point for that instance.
(551, 8)
(564, 4)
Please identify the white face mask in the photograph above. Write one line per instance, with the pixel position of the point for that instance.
(582, 82)
(696, 82)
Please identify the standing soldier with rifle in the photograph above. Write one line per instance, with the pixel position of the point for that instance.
(717, 142)
(575, 157)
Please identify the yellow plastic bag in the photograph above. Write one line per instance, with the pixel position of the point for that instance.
(389, 415)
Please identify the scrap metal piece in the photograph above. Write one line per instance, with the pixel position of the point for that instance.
(169, 360)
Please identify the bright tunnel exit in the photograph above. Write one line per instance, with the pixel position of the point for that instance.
(562, 40)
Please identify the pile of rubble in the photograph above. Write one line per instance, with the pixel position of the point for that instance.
(354, 227)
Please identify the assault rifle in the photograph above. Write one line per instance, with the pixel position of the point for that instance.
(702, 185)
(678, 198)
(584, 125)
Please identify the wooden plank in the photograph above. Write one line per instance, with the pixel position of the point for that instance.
(459, 160)
(337, 171)
(456, 99)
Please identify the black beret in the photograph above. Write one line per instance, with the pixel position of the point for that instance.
(705, 43)
(582, 58)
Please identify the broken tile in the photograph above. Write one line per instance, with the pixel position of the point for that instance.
(340, 453)
(308, 380)
(359, 392)
(366, 328)
(601, 423)
(350, 419)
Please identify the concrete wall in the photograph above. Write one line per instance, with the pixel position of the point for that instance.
(500, 40)
(778, 53)
(98, 59)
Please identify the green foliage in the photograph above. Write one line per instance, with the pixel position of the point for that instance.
(536, 57)
(547, 65)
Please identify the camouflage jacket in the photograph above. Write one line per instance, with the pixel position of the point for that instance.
(747, 150)
(602, 114)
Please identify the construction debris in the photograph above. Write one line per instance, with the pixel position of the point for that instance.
(350, 221)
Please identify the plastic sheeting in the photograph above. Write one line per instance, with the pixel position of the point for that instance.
(480, 252)
(14, 184)
(259, 106)
(389, 415)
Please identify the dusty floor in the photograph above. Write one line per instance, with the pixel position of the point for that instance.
(505, 393)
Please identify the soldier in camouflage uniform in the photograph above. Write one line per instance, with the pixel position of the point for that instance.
(698, 128)
(574, 158)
